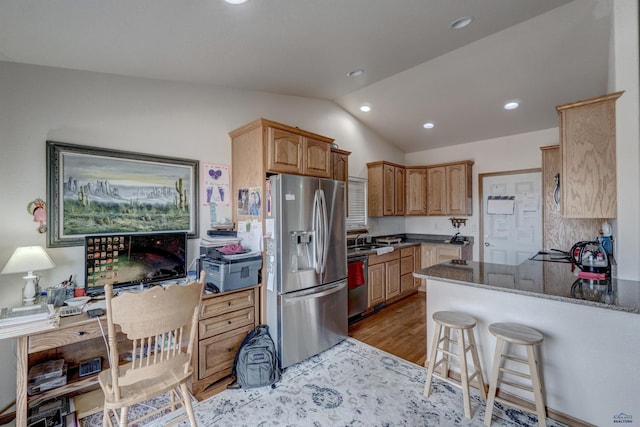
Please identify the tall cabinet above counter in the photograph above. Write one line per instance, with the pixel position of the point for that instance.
(265, 147)
(435, 190)
(262, 148)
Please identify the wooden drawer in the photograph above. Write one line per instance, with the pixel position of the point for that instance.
(217, 353)
(66, 335)
(220, 324)
(221, 304)
(406, 283)
(406, 264)
(377, 259)
(406, 251)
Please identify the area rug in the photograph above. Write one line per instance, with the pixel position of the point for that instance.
(351, 384)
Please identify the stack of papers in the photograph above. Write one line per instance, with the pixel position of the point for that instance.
(25, 320)
(214, 242)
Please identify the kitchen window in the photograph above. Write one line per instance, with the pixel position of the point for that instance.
(357, 203)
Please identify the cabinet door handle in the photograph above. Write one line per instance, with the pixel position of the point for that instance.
(229, 304)
(81, 333)
(229, 322)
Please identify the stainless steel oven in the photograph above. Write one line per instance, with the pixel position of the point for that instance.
(357, 283)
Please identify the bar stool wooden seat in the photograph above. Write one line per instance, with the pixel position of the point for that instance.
(521, 335)
(446, 321)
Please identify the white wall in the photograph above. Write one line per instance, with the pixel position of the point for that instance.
(625, 77)
(515, 152)
(141, 115)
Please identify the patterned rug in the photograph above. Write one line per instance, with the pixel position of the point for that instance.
(351, 384)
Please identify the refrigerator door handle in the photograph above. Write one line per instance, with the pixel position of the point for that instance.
(317, 234)
(324, 230)
(315, 293)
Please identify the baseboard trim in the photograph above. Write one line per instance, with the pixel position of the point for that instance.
(551, 413)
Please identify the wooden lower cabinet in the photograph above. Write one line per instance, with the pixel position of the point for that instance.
(376, 279)
(225, 319)
(433, 254)
(390, 276)
(417, 259)
(407, 267)
(393, 279)
(447, 252)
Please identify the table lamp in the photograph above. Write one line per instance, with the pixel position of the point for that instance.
(29, 259)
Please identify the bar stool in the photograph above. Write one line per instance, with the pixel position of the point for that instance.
(522, 335)
(460, 322)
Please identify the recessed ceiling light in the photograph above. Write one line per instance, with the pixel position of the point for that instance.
(461, 22)
(365, 108)
(428, 125)
(512, 105)
(235, 1)
(355, 73)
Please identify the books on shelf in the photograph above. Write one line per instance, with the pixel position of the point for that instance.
(57, 412)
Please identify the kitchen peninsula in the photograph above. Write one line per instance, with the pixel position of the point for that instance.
(589, 357)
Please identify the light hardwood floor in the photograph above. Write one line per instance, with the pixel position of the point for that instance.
(398, 329)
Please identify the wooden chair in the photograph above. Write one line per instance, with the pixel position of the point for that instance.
(161, 324)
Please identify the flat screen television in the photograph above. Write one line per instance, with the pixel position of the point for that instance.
(133, 259)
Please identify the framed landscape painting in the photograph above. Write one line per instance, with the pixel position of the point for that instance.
(100, 191)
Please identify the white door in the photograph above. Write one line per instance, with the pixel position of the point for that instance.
(512, 217)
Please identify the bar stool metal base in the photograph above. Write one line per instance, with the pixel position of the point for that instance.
(460, 322)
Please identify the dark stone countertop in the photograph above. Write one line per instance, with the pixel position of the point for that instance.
(548, 280)
(410, 240)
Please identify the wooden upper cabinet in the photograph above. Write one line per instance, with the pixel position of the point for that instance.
(340, 164)
(436, 191)
(419, 190)
(400, 190)
(588, 151)
(416, 191)
(459, 184)
(340, 170)
(284, 152)
(263, 147)
(449, 189)
(386, 189)
(316, 158)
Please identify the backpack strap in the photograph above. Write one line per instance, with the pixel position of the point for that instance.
(252, 333)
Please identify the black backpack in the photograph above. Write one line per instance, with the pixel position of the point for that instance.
(256, 362)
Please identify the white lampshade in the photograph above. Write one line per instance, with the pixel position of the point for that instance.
(29, 259)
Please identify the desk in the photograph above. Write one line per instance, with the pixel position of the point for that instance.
(225, 319)
(77, 338)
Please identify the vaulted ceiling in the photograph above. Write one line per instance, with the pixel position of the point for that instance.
(416, 68)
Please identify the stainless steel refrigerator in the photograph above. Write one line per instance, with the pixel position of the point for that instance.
(306, 265)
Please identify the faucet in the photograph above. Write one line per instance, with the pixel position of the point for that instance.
(358, 237)
(455, 237)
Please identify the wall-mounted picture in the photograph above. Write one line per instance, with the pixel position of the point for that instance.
(94, 190)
